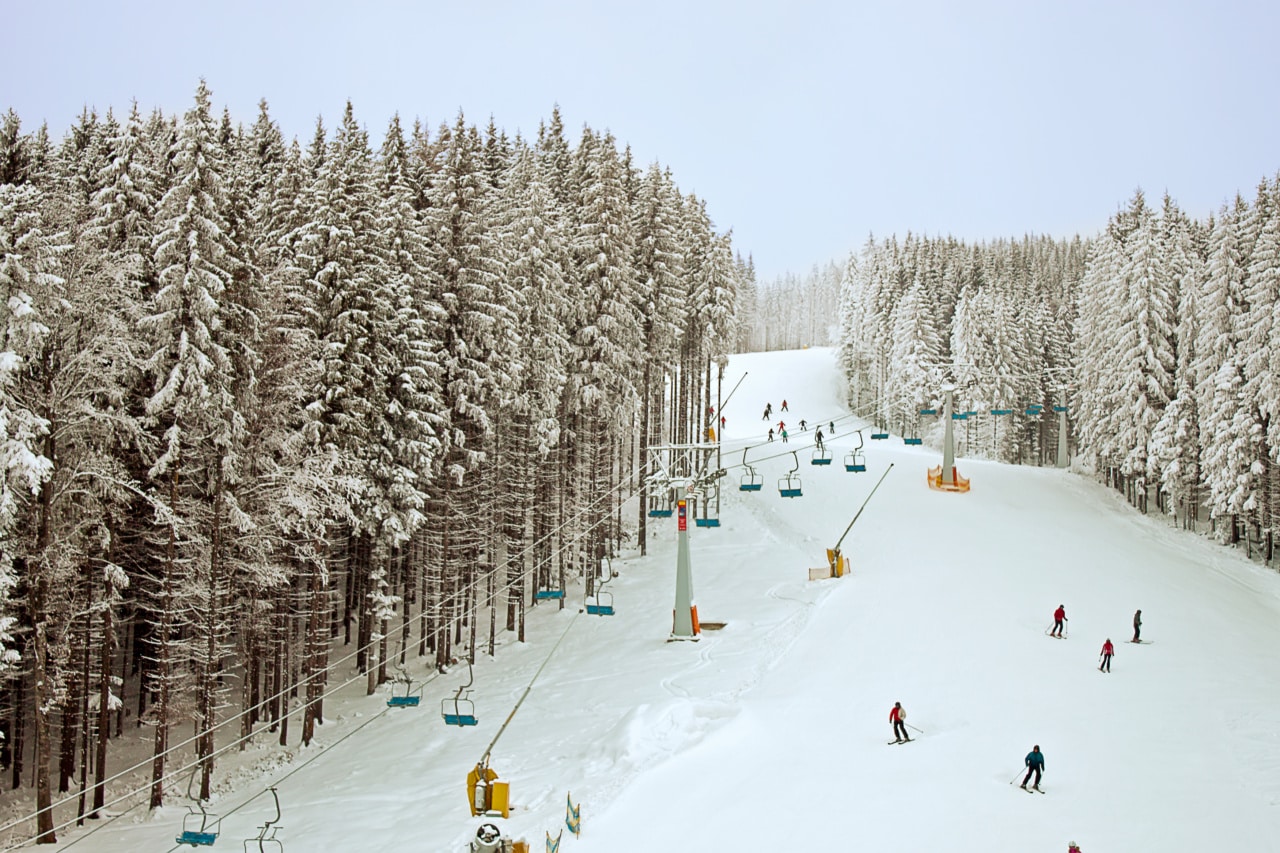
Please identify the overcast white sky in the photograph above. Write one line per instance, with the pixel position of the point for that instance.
(805, 125)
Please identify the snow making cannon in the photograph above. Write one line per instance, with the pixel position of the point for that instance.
(837, 563)
(488, 796)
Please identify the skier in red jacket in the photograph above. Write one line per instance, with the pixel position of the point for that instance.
(898, 716)
(1059, 617)
(1107, 651)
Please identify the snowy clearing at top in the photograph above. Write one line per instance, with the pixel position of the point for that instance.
(770, 733)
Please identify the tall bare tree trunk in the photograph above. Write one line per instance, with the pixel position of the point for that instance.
(43, 726)
(104, 694)
(163, 662)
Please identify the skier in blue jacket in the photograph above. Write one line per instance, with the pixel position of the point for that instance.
(1035, 764)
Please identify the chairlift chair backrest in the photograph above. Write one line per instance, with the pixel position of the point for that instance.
(603, 603)
(789, 486)
(459, 710)
(751, 481)
(405, 701)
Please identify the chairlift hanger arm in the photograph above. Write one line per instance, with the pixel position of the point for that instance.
(484, 759)
(726, 400)
(864, 506)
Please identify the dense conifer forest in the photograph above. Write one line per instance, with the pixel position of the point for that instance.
(263, 400)
(1160, 337)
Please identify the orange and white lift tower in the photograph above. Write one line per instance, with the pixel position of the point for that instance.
(944, 478)
(685, 620)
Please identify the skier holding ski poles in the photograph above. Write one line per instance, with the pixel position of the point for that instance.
(1107, 651)
(1059, 618)
(1035, 764)
(898, 717)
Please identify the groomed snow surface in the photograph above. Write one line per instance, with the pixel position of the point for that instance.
(771, 733)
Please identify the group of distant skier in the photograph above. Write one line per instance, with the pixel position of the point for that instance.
(1034, 760)
(780, 430)
(1108, 648)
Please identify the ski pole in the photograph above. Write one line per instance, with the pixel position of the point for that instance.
(913, 727)
(1015, 777)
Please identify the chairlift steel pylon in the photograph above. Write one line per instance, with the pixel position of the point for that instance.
(266, 842)
(205, 833)
(750, 481)
(789, 485)
(460, 710)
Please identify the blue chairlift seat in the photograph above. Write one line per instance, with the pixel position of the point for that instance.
(197, 839)
(959, 416)
(199, 828)
(707, 522)
(879, 436)
(602, 606)
(915, 442)
(1035, 412)
(928, 411)
(458, 711)
(855, 462)
(1002, 411)
(1060, 408)
(820, 457)
(659, 513)
(405, 701)
(549, 594)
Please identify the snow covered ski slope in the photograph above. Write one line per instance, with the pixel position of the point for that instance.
(766, 734)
